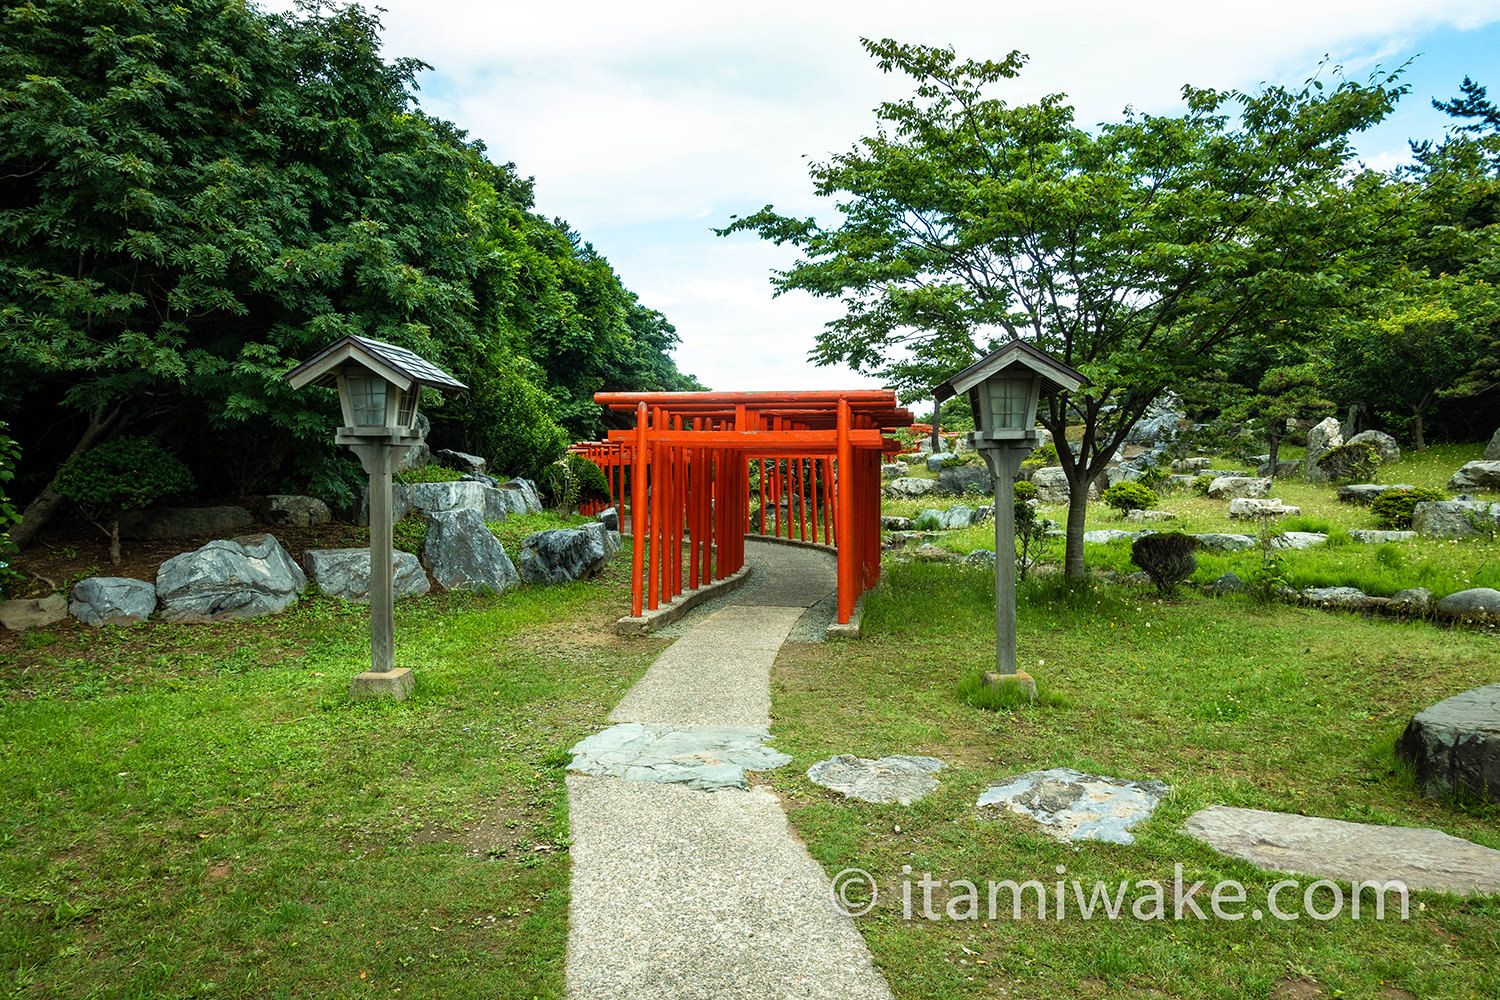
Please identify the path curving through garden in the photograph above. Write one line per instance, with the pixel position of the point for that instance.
(703, 894)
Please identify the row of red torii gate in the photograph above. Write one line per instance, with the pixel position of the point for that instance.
(684, 477)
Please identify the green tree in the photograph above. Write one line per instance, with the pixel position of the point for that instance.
(126, 474)
(1286, 392)
(1135, 253)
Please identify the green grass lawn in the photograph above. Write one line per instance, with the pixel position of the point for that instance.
(1442, 566)
(199, 811)
(1272, 708)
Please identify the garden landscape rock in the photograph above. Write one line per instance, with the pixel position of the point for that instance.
(1479, 604)
(962, 479)
(610, 518)
(1374, 536)
(1052, 485)
(1148, 516)
(1346, 598)
(706, 758)
(899, 778)
(1455, 745)
(1284, 470)
(1455, 518)
(1238, 487)
(1386, 448)
(180, 522)
(1217, 542)
(1476, 476)
(400, 503)
(936, 459)
(1250, 508)
(1419, 857)
(528, 492)
(461, 554)
(1363, 493)
(909, 487)
(1325, 436)
(295, 511)
(1298, 540)
(1492, 450)
(242, 578)
(24, 613)
(1072, 805)
(432, 498)
(112, 600)
(459, 461)
(345, 573)
(1411, 601)
(562, 555)
(500, 504)
(894, 470)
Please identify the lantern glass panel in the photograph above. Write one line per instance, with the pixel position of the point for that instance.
(367, 399)
(406, 406)
(1008, 400)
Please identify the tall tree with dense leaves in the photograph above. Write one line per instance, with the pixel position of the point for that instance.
(1134, 253)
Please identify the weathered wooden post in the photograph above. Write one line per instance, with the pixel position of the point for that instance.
(1004, 389)
(379, 385)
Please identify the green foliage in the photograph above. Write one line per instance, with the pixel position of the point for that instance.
(927, 522)
(1154, 478)
(1201, 484)
(506, 416)
(431, 474)
(410, 532)
(1167, 558)
(1130, 495)
(953, 461)
(1350, 463)
(125, 474)
(590, 478)
(1005, 697)
(1031, 530)
(559, 483)
(10, 454)
(1024, 491)
(1040, 458)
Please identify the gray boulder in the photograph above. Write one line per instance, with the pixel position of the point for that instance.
(295, 511)
(480, 477)
(1298, 540)
(892, 523)
(1284, 470)
(1476, 476)
(934, 553)
(459, 461)
(1454, 518)
(562, 555)
(957, 516)
(1412, 601)
(180, 522)
(25, 613)
(1238, 487)
(936, 459)
(1477, 604)
(898, 778)
(1348, 598)
(419, 454)
(1325, 436)
(909, 487)
(502, 503)
(1159, 424)
(1145, 516)
(894, 470)
(1386, 448)
(1492, 450)
(400, 503)
(1455, 744)
(1103, 536)
(610, 518)
(1052, 486)
(112, 600)
(243, 578)
(1373, 536)
(461, 554)
(528, 492)
(432, 498)
(1362, 494)
(345, 573)
(961, 479)
(1229, 583)
(983, 558)
(1215, 542)
(1184, 466)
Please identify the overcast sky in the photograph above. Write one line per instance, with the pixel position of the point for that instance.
(647, 124)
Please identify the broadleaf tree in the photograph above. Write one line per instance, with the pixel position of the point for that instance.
(1134, 252)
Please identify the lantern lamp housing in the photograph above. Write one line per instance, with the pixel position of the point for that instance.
(379, 385)
(1005, 388)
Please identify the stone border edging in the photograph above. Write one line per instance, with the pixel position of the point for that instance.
(832, 550)
(650, 621)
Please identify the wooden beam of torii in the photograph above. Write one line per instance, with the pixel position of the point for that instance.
(693, 454)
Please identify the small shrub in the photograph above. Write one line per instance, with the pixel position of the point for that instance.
(432, 474)
(1025, 491)
(1167, 558)
(1040, 458)
(1201, 485)
(1393, 509)
(1130, 496)
(955, 460)
(1350, 463)
(590, 478)
(125, 474)
(927, 522)
(1154, 478)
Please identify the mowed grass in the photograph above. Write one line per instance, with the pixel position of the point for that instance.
(1442, 566)
(202, 812)
(1278, 708)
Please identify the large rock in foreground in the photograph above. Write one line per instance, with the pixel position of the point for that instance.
(431, 498)
(1478, 604)
(461, 554)
(562, 555)
(1455, 745)
(1476, 476)
(243, 578)
(1325, 436)
(1454, 518)
(345, 573)
(112, 600)
(1418, 857)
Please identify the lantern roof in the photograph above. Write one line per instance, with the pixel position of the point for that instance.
(1055, 376)
(395, 364)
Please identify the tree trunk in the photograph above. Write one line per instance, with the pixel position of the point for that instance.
(1274, 439)
(1078, 509)
(41, 509)
(1416, 430)
(114, 542)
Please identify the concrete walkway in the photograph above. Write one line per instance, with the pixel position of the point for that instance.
(703, 895)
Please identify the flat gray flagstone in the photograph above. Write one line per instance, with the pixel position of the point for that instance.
(1420, 857)
(706, 758)
(897, 778)
(1072, 805)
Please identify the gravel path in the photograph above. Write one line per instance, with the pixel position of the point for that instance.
(679, 893)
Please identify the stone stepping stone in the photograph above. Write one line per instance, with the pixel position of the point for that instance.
(1072, 805)
(898, 778)
(1420, 857)
(703, 757)
(1455, 744)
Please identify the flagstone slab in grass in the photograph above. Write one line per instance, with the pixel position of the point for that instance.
(1072, 805)
(897, 778)
(703, 757)
(1419, 857)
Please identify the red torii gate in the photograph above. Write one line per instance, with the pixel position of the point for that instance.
(693, 450)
